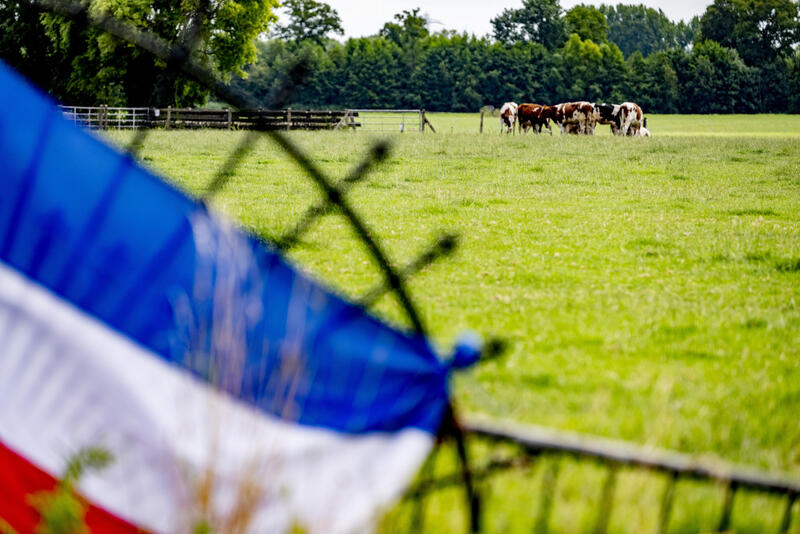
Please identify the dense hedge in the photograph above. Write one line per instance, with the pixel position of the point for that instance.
(453, 72)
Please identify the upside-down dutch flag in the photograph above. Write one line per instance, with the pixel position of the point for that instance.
(225, 384)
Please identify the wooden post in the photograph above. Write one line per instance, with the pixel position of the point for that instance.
(426, 121)
(230, 118)
(482, 121)
(169, 116)
(288, 118)
(342, 121)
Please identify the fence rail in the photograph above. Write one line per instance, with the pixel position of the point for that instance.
(106, 118)
(119, 118)
(530, 443)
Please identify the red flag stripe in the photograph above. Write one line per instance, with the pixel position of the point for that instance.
(19, 479)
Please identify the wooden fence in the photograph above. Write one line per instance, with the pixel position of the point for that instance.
(118, 118)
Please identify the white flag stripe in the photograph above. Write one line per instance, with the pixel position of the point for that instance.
(167, 430)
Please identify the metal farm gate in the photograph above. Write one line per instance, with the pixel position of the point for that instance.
(108, 118)
(386, 120)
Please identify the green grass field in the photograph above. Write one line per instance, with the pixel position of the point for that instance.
(650, 288)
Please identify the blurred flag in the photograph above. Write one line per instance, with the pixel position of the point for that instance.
(229, 388)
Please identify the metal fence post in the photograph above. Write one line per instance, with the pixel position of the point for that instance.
(727, 507)
(786, 522)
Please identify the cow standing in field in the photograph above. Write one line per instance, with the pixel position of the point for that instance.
(624, 119)
(534, 116)
(611, 115)
(508, 117)
(631, 118)
(576, 118)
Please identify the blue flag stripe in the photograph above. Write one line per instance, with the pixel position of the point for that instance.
(137, 254)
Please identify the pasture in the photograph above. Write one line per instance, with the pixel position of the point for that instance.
(650, 288)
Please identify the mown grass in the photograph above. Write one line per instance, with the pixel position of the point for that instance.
(649, 287)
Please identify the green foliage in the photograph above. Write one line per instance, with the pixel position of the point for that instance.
(588, 22)
(408, 32)
(671, 67)
(23, 44)
(80, 64)
(793, 81)
(639, 28)
(61, 510)
(5, 528)
(720, 80)
(406, 66)
(409, 27)
(654, 83)
(309, 20)
(538, 21)
(760, 30)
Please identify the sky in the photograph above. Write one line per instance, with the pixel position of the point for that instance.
(366, 17)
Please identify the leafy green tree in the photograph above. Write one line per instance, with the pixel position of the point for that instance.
(686, 33)
(308, 20)
(644, 29)
(408, 27)
(409, 32)
(720, 82)
(593, 72)
(658, 89)
(23, 44)
(760, 30)
(793, 65)
(273, 71)
(588, 22)
(524, 72)
(718, 23)
(538, 21)
(91, 67)
(373, 74)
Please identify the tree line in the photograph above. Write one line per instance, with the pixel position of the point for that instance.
(740, 56)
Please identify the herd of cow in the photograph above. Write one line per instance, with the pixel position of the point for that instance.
(579, 118)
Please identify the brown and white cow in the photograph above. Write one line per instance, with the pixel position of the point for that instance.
(576, 118)
(631, 118)
(534, 116)
(508, 117)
